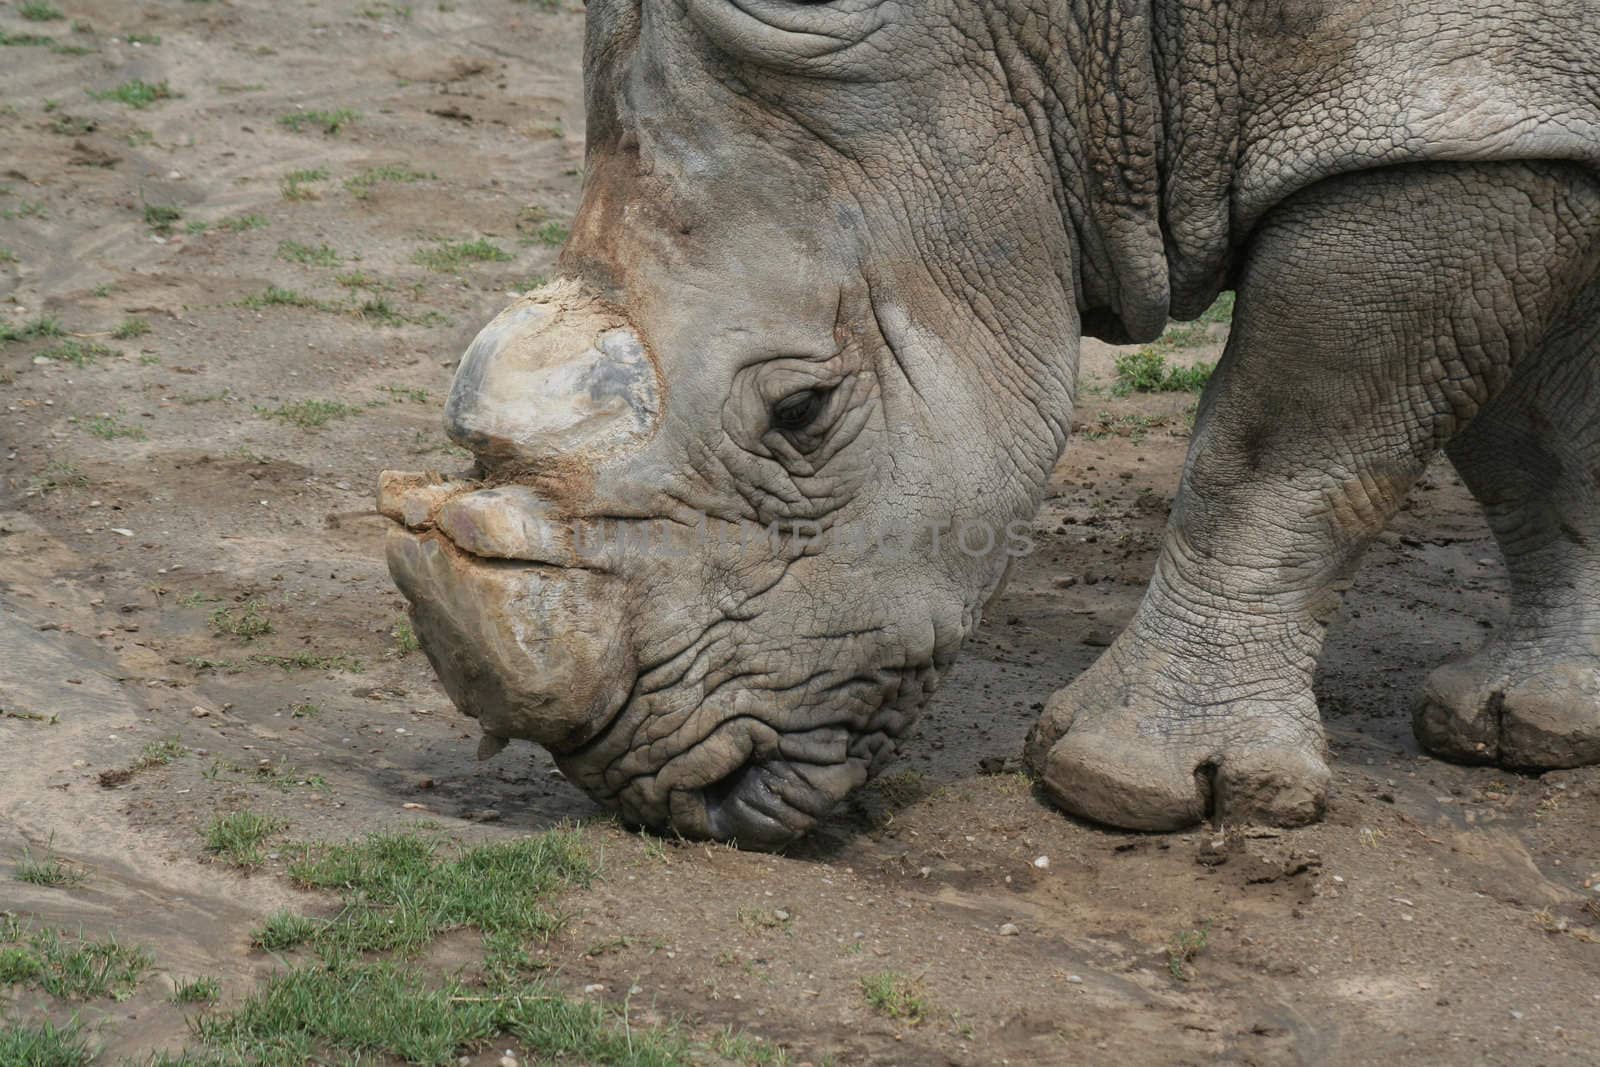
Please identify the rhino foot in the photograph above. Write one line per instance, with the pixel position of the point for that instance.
(1525, 707)
(1125, 746)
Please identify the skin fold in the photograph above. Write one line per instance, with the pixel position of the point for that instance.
(749, 470)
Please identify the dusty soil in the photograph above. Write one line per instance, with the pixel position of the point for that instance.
(1440, 914)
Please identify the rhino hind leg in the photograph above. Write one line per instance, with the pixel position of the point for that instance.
(1529, 699)
(1377, 314)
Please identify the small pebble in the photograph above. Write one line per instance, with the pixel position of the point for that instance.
(1043, 863)
(1009, 930)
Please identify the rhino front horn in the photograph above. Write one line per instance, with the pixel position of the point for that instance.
(490, 746)
(558, 378)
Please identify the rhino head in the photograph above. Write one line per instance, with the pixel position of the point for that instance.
(749, 469)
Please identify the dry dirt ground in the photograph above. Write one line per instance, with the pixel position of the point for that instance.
(1440, 914)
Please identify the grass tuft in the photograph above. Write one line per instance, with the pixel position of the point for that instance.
(131, 328)
(161, 753)
(67, 967)
(894, 996)
(412, 893)
(78, 353)
(1185, 946)
(446, 256)
(36, 11)
(43, 326)
(162, 217)
(51, 871)
(136, 94)
(384, 1011)
(196, 991)
(246, 622)
(242, 223)
(310, 414)
(236, 837)
(329, 122)
(320, 256)
(44, 1045)
(361, 185)
(1147, 371)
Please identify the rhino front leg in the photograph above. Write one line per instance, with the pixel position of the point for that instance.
(1376, 314)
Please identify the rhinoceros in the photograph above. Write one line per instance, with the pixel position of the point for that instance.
(828, 279)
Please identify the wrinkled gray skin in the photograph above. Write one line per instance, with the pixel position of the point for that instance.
(914, 210)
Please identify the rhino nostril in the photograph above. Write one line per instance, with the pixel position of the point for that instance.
(720, 791)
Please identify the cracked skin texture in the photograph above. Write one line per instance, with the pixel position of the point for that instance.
(897, 219)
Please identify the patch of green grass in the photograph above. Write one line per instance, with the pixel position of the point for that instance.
(70, 968)
(56, 476)
(26, 40)
(273, 296)
(196, 226)
(382, 1011)
(78, 353)
(72, 126)
(358, 279)
(403, 393)
(405, 638)
(43, 326)
(446, 256)
(37, 11)
(1147, 371)
(130, 328)
(361, 185)
(201, 663)
(311, 661)
(553, 234)
(1221, 310)
(161, 753)
(8, 256)
(143, 38)
(409, 892)
(311, 414)
(895, 996)
(304, 711)
(196, 991)
(320, 256)
(1185, 946)
(743, 1048)
(236, 837)
(329, 122)
(111, 427)
(136, 94)
(62, 49)
(44, 1045)
(294, 183)
(285, 930)
(245, 622)
(50, 871)
(378, 309)
(162, 217)
(241, 223)
(28, 209)
(383, 11)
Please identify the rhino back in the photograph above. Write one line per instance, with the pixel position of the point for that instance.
(1266, 97)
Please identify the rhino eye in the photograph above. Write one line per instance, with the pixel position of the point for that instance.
(798, 410)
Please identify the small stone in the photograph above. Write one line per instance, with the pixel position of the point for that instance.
(781, 915)
(509, 1061)
(1075, 979)
(1042, 862)
(1009, 930)
(122, 531)
(591, 990)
